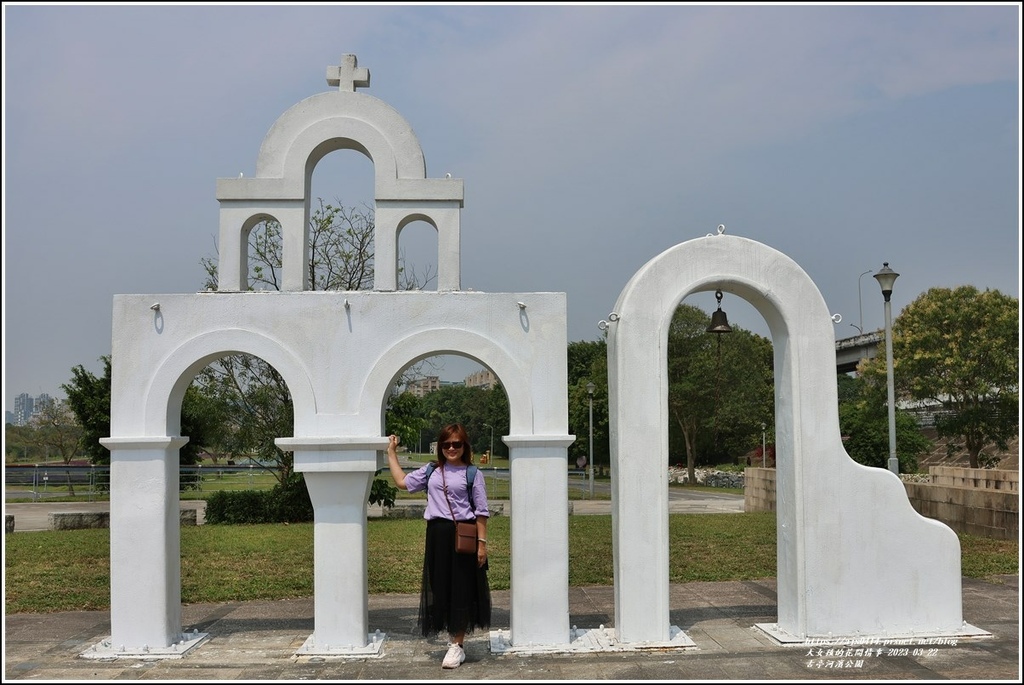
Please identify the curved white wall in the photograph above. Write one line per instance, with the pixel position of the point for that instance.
(853, 555)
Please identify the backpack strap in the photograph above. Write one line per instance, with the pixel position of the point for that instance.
(470, 475)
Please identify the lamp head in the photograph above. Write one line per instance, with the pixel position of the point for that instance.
(886, 277)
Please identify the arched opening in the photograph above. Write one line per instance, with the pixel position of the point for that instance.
(417, 256)
(341, 222)
(820, 490)
(241, 404)
(425, 397)
(720, 412)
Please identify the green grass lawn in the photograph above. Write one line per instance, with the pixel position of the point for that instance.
(69, 570)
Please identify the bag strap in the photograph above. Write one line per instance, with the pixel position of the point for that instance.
(444, 486)
(470, 476)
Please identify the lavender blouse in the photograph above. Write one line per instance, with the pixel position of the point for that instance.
(455, 477)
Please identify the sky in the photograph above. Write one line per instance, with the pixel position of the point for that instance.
(590, 137)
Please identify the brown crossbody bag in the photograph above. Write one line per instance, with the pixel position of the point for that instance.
(465, 531)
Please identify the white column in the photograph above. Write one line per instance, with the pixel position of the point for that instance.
(145, 542)
(340, 565)
(449, 248)
(385, 245)
(539, 497)
(294, 218)
(338, 472)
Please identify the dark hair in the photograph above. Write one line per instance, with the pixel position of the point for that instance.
(458, 432)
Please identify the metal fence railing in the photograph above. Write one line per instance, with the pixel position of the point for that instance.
(39, 481)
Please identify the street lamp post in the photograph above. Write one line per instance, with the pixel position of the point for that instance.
(886, 277)
(590, 449)
(860, 303)
(764, 455)
(490, 452)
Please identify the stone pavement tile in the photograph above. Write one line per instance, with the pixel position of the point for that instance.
(732, 638)
(257, 640)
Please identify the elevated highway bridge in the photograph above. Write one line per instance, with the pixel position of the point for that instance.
(849, 351)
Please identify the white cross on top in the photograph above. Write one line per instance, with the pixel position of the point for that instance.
(346, 76)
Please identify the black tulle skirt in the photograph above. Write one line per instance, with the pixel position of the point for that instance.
(454, 596)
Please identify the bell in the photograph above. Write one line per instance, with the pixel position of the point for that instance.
(719, 321)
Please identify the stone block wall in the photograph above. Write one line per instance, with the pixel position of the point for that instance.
(991, 479)
(758, 489)
(981, 502)
(77, 520)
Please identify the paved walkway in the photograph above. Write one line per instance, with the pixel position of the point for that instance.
(259, 641)
(262, 640)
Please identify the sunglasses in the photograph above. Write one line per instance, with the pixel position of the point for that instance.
(453, 445)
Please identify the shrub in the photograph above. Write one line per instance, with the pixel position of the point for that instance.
(239, 506)
(288, 501)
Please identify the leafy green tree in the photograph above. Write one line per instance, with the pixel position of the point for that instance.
(404, 418)
(959, 349)
(57, 430)
(20, 445)
(721, 387)
(588, 363)
(495, 423)
(581, 357)
(254, 402)
(848, 387)
(864, 423)
(88, 397)
(465, 405)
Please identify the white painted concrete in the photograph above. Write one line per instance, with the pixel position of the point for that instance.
(853, 555)
(340, 354)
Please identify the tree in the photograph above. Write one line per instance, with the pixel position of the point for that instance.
(588, 363)
(959, 349)
(254, 402)
(496, 419)
(720, 386)
(57, 431)
(404, 418)
(864, 423)
(19, 445)
(88, 397)
(465, 405)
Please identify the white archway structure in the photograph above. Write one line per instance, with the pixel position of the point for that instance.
(854, 558)
(340, 354)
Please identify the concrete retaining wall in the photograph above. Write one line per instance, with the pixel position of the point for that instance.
(77, 520)
(758, 489)
(990, 479)
(976, 511)
(981, 502)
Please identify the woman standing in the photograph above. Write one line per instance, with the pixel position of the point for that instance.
(454, 595)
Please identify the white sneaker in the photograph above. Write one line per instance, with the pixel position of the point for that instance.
(455, 656)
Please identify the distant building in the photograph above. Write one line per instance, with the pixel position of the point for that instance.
(427, 384)
(484, 378)
(23, 404)
(422, 386)
(26, 406)
(40, 403)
